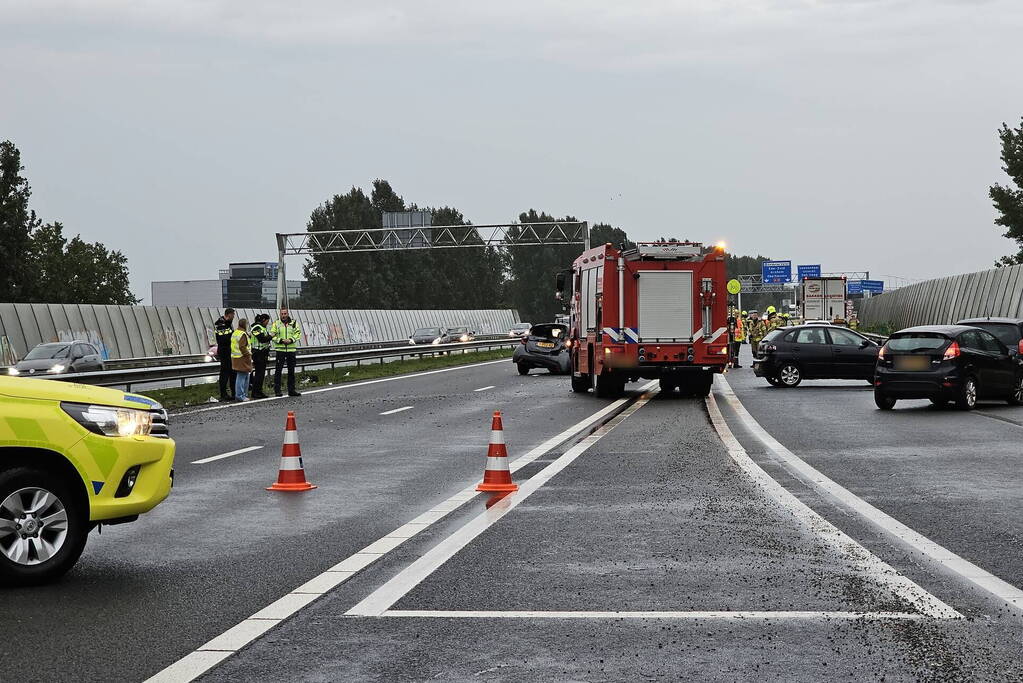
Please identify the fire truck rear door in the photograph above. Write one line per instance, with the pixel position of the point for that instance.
(665, 305)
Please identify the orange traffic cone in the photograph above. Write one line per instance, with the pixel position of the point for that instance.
(497, 477)
(292, 475)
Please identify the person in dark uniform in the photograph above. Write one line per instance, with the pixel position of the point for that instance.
(260, 353)
(223, 329)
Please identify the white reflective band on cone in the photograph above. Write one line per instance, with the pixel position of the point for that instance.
(497, 464)
(290, 463)
(290, 436)
(497, 436)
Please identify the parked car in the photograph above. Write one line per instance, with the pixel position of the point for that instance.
(948, 363)
(546, 346)
(788, 355)
(455, 335)
(57, 358)
(426, 335)
(519, 329)
(1008, 330)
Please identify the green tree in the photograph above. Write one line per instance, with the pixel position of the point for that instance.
(40, 265)
(17, 221)
(75, 271)
(532, 271)
(1008, 200)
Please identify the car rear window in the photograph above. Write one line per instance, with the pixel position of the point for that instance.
(918, 341)
(773, 334)
(549, 331)
(1007, 333)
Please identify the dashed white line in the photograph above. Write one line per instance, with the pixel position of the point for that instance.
(199, 661)
(396, 410)
(484, 388)
(344, 385)
(203, 461)
(814, 478)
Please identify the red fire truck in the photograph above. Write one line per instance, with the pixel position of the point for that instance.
(658, 311)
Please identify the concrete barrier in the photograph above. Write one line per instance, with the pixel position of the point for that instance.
(142, 331)
(997, 292)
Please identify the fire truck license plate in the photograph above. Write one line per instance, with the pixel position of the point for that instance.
(545, 345)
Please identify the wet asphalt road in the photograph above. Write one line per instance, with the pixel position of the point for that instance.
(655, 516)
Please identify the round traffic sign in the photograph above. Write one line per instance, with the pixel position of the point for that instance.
(734, 286)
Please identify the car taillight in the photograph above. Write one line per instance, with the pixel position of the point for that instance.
(951, 352)
(770, 348)
(880, 354)
(523, 340)
(1021, 347)
(568, 343)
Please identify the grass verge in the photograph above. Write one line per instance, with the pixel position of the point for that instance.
(200, 394)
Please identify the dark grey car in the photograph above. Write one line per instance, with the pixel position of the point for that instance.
(426, 335)
(546, 346)
(57, 358)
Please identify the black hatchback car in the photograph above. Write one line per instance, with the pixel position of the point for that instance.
(947, 363)
(788, 355)
(546, 346)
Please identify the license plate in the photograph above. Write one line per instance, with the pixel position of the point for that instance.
(912, 363)
(545, 345)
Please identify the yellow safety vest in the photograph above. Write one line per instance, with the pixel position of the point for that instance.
(236, 338)
(285, 338)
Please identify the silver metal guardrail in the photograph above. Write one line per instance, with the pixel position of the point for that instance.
(134, 376)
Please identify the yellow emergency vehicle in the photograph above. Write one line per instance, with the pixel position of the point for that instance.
(73, 457)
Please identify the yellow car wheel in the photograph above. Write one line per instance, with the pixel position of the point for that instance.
(42, 526)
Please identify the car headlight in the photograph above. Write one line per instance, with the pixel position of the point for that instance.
(59, 367)
(412, 341)
(437, 340)
(110, 421)
(464, 338)
(13, 371)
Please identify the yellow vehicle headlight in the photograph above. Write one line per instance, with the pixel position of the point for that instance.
(110, 421)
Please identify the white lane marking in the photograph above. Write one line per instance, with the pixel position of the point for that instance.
(812, 477)
(198, 662)
(203, 461)
(345, 385)
(696, 615)
(396, 410)
(484, 388)
(380, 600)
(865, 561)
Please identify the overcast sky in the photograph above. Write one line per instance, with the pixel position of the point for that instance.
(859, 134)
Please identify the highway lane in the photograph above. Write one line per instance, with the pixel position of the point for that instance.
(956, 477)
(716, 577)
(221, 547)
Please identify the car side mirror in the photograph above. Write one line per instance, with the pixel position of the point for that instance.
(865, 343)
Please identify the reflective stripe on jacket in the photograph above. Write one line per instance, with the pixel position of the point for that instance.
(285, 337)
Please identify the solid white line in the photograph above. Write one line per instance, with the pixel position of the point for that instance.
(396, 410)
(739, 616)
(812, 477)
(380, 600)
(203, 461)
(865, 561)
(484, 388)
(344, 385)
(198, 662)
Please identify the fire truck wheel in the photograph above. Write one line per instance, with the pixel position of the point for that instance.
(609, 386)
(580, 383)
(667, 384)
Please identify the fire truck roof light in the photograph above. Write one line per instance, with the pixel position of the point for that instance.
(721, 245)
